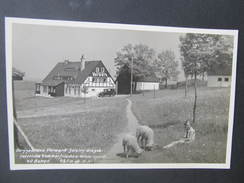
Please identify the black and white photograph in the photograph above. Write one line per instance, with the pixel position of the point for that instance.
(100, 95)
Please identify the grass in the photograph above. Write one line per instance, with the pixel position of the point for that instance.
(67, 122)
(74, 123)
(166, 114)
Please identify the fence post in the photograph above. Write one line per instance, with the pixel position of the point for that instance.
(153, 91)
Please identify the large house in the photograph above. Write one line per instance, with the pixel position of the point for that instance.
(219, 76)
(76, 79)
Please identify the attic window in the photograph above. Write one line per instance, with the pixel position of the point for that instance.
(97, 69)
(102, 69)
(69, 69)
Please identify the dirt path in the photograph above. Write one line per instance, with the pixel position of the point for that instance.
(111, 156)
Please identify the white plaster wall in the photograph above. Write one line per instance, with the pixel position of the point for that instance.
(147, 86)
(213, 81)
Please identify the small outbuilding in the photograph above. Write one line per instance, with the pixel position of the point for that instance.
(219, 77)
(123, 82)
(147, 83)
(17, 75)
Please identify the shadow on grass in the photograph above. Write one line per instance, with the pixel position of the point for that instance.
(165, 125)
(122, 155)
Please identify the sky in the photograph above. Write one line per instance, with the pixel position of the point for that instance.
(38, 48)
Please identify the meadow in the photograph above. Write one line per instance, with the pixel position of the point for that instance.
(165, 114)
(66, 122)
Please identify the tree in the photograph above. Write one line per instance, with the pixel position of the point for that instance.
(166, 66)
(201, 52)
(142, 56)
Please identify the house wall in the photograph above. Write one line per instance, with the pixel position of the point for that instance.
(219, 81)
(44, 90)
(92, 88)
(123, 83)
(109, 83)
(59, 90)
(73, 90)
(147, 86)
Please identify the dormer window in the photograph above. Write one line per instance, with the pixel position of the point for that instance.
(69, 69)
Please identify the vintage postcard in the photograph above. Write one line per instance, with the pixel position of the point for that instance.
(98, 95)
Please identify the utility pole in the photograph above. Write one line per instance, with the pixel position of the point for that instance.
(131, 77)
(153, 91)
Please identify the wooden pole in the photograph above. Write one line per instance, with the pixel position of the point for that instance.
(131, 77)
(195, 99)
(186, 85)
(142, 88)
(153, 91)
(85, 94)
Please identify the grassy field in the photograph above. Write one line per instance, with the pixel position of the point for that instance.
(66, 122)
(166, 114)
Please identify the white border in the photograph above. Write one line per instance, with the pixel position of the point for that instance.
(8, 41)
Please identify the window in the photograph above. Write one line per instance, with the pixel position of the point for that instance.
(219, 79)
(37, 87)
(44, 89)
(93, 90)
(78, 90)
(97, 69)
(226, 79)
(69, 69)
(102, 69)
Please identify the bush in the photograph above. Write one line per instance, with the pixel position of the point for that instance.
(190, 83)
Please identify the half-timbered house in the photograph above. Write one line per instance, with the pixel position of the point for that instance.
(76, 79)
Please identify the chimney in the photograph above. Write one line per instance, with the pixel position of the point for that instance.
(82, 62)
(66, 61)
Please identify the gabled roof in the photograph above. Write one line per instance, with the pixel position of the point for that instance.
(63, 69)
(16, 72)
(220, 70)
(72, 69)
(53, 83)
(151, 78)
(89, 67)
